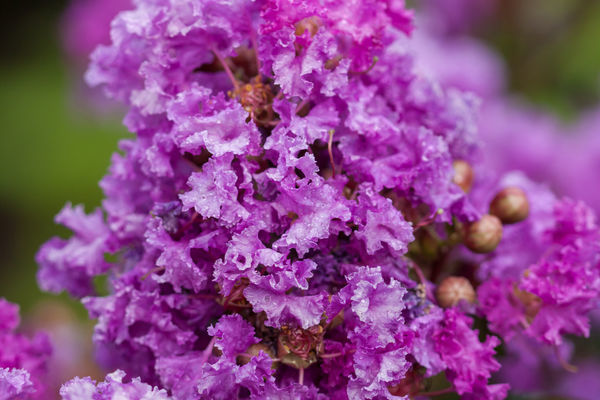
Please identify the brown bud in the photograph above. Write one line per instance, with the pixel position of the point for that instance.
(253, 351)
(454, 289)
(510, 205)
(310, 24)
(484, 235)
(463, 174)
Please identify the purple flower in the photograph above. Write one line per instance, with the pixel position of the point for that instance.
(469, 363)
(214, 194)
(289, 203)
(545, 272)
(71, 264)
(499, 302)
(14, 383)
(567, 280)
(234, 335)
(23, 360)
(225, 379)
(113, 387)
(568, 286)
(381, 225)
(378, 334)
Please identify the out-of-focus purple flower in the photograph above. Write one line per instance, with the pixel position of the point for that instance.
(578, 157)
(87, 25)
(23, 360)
(567, 281)
(475, 68)
(10, 316)
(84, 26)
(519, 137)
(582, 385)
(457, 16)
(529, 367)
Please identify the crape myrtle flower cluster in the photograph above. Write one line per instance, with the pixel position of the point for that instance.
(23, 360)
(304, 213)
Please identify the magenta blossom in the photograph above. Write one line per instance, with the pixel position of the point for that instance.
(298, 188)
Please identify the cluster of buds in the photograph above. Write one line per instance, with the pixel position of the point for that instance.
(509, 206)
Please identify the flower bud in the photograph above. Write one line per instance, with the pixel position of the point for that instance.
(310, 24)
(510, 205)
(463, 175)
(484, 235)
(454, 289)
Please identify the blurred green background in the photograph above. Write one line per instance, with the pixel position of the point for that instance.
(55, 149)
(552, 51)
(52, 149)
